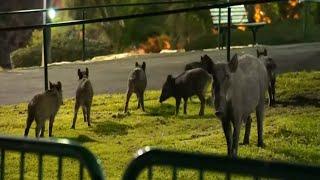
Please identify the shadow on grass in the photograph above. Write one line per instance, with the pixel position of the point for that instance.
(164, 110)
(300, 101)
(196, 116)
(111, 128)
(81, 139)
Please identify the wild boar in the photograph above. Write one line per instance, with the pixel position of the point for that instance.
(205, 63)
(271, 67)
(84, 95)
(189, 83)
(239, 88)
(137, 83)
(42, 107)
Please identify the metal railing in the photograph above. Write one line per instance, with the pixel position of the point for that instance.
(195, 7)
(60, 148)
(148, 158)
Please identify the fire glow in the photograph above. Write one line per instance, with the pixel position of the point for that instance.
(259, 15)
(153, 44)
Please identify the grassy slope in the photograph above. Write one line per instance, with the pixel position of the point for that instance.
(292, 129)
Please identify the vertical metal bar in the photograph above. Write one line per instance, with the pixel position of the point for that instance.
(200, 174)
(219, 30)
(150, 174)
(59, 167)
(2, 164)
(22, 157)
(40, 166)
(229, 33)
(45, 56)
(174, 173)
(305, 18)
(83, 36)
(81, 171)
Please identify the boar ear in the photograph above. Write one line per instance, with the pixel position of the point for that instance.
(258, 53)
(144, 66)
(265, 52)
(169, 77)
(59, 85)
(233, 64)
(79, 74)
(137, 64)
(87, 72)
(50, 85)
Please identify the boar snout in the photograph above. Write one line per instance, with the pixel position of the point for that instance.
(219, 114)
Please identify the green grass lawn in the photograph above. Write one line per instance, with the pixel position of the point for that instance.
(292, 129)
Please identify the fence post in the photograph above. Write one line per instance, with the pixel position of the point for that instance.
(46, 43)
(83, 36)
(229, 33)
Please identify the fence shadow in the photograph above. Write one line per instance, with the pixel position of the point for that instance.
(111, 128)
(300, 101)
(81, 139)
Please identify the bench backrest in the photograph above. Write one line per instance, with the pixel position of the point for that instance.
(238, 15)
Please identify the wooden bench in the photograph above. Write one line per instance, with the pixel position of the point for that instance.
(239, 19)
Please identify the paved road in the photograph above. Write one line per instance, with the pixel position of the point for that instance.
(111, 76)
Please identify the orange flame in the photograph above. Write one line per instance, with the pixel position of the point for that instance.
(241, 28)
(293, 3)
(153, 44)
(215, 31)
(260, 16)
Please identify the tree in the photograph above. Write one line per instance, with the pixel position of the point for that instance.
(10, 41)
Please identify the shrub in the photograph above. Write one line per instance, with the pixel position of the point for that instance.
(65, 46)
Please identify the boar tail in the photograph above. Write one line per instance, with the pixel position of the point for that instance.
(31, 114)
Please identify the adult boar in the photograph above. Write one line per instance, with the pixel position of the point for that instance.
(137, 83)
(239, 88)
(187, 84)
(271, 67)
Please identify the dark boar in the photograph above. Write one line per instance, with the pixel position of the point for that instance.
(239, 88)
(205, 63)
(42, 107)
(84, 95)
(271, 67)
(187, 84)
(137, 83)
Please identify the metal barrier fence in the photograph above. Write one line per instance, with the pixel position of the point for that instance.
(147, 159)
(60, 148)
(196, 7)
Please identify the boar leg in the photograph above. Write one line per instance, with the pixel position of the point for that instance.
(129, 93)
(138, 99)
(185, 105)
(51, 125)
(29, 122)
(273, 87)
(88, 109)
(43, 127)
(142, 101)
(38, 127)
(259, 114)
(227, 133)
(203, 102)
(76, 109)
(236, 133)
(247, 131)
(84, 112)
(270, 94)
(178, 100)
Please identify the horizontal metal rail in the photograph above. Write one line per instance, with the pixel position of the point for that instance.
(147, 158)
(160, 13)
(107, 6)
(55, 147)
